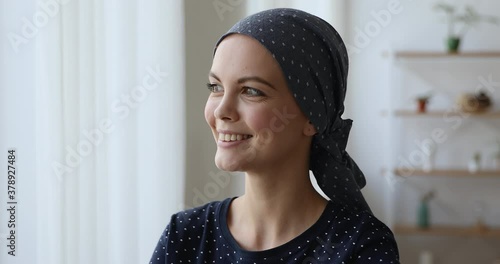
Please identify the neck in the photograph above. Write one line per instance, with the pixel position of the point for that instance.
(274, 195)
(287, 200)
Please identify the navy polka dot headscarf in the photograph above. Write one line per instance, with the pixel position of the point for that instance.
(314, 61)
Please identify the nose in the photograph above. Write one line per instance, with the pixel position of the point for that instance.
(227, 108)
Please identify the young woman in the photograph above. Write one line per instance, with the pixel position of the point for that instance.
(277, 87)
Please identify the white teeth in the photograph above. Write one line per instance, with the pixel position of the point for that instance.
(232, 137)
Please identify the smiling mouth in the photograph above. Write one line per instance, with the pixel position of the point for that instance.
(233, 137)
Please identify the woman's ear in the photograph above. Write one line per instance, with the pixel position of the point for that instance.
(309, 129)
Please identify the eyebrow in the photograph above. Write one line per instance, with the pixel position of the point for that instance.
(246, 79)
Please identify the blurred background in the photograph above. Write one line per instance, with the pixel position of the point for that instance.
(101, 108)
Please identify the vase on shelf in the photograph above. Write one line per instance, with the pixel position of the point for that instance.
(425, 257)
(423, 215)
(497, 162)
(422, 106)
(496, 157)
(474, 162)
(422, 101)
(423, 211)
(430, 154)
(453, 44)
(479, 209)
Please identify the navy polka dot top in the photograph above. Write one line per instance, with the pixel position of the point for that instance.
(201, 235)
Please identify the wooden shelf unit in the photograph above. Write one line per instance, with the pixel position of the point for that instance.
(459, 231)
(448, 173)
(401, 60)
(444, 113)
(440, 54)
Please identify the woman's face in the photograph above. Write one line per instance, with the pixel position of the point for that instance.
(254, 118)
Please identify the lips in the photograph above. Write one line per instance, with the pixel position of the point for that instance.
(230, 137)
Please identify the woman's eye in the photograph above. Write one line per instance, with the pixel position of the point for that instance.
(214, 88)
(253, 92)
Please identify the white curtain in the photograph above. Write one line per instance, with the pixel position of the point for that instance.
(110, 128)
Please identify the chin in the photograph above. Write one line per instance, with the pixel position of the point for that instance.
(228, 167)
(228, 164)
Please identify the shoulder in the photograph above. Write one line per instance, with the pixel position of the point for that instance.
(195, 220)
(197, 214)
(376, 242)
(363, 235)
(186, 233)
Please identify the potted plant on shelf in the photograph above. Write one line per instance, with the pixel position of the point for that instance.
(468, 19)
(422, 101)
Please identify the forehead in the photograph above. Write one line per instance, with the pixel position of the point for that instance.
(239, 55)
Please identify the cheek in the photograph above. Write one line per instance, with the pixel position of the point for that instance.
(284, 120)
(210, 107)
(260, 119)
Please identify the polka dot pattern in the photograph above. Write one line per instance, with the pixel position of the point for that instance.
(314, 60)
(201, 235)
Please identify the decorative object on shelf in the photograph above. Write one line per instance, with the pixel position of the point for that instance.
(479, 209)
(474, 103)
(475, 162)
(423, 210)
(430, 153)
(425, 257)
(468, 19)
(422, 101)
(480, 226)
(452, 44)
(497, 156)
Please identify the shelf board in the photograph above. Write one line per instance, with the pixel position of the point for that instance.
(443, 113)
(460, 231)
(449, 173)
(438, 54)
